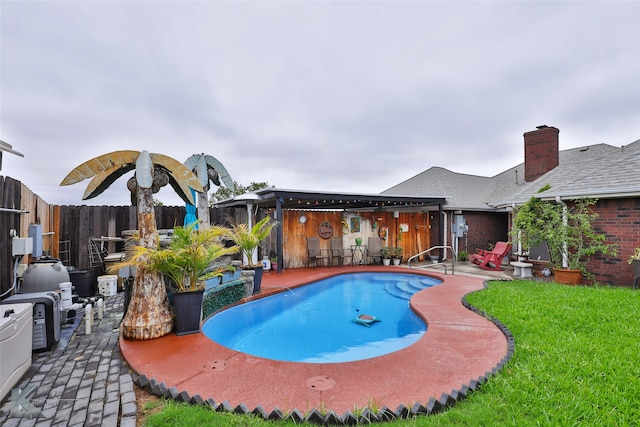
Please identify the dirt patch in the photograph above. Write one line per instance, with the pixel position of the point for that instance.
(147, 404)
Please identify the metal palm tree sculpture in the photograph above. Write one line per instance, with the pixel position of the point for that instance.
(149, 315)
(207, 168)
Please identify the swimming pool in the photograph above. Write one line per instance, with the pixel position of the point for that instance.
(315, 323)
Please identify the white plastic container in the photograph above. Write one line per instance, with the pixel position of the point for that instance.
(16, 334)
(108, 285)
(66, 299)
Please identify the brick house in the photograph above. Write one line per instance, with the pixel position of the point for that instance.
(607, 173)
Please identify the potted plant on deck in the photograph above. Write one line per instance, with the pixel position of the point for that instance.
(568, 232)
(396, 255)
(386, 255)
(185, 262)
(248, 240)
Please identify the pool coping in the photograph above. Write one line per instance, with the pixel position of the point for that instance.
(460, 351)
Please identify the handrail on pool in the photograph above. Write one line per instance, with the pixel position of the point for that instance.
(436, 264)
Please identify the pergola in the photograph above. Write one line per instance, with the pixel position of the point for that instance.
(279, 199)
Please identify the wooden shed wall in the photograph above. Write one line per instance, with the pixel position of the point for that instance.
(295, 233)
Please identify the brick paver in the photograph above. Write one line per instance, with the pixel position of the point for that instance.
(84, 382)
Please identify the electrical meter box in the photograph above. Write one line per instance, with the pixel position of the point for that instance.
(35, 232)
(459, 226)
(21, 246)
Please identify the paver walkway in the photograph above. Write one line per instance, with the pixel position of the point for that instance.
(82, 382)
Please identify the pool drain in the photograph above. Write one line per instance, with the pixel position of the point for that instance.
(215, 365)
(321, 383)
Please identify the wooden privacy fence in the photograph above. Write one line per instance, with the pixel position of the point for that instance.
(70, 227)
(19, 207)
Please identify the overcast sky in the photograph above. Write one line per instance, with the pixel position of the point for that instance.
(338, 96)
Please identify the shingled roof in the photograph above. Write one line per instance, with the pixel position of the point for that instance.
(601, 171)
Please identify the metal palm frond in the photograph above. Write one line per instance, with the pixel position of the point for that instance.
(107, 168)
(208, 168)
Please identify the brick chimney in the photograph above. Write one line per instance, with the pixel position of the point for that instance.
(541, 152)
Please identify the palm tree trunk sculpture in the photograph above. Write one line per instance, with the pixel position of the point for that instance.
(149, 314)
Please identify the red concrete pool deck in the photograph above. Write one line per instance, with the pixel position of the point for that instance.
(459, 347)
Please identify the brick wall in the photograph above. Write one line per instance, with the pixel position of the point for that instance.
(484, 228)
(620, 221)
(541, 152)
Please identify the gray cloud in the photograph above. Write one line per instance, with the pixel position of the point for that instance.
(341, 96)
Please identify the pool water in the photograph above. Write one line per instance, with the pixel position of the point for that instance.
(315, 323)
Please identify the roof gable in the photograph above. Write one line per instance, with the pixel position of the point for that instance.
(460, 190)
(593, 171)
(599, 170)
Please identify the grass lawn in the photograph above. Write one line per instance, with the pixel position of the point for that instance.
(576, 362)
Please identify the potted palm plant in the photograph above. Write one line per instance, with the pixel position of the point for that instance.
(568, 232)
(248, 240)
(396, 255)
(186, 262)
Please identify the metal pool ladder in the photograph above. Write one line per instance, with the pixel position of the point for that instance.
(436, 264)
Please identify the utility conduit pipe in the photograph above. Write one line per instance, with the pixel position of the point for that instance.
(565, 255)
(88, 319)
(100, 308)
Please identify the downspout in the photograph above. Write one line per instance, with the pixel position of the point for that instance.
(513, 208)
(565, 257)
(446, 228)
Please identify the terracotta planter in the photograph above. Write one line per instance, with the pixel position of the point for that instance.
(568, 277)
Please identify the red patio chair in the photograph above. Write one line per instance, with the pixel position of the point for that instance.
(491, 260)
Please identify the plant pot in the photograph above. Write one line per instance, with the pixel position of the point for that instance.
(257, 279)
(636, 267)
(188, 309)
(386, 261)
(568, 277)
(229, 276)
(396, 261)
(358, 241)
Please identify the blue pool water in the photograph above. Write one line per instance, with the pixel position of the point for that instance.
(315, 323)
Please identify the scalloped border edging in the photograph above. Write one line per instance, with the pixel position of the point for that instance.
(317, 416)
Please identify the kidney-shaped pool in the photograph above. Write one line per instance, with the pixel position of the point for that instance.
(316, 323)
